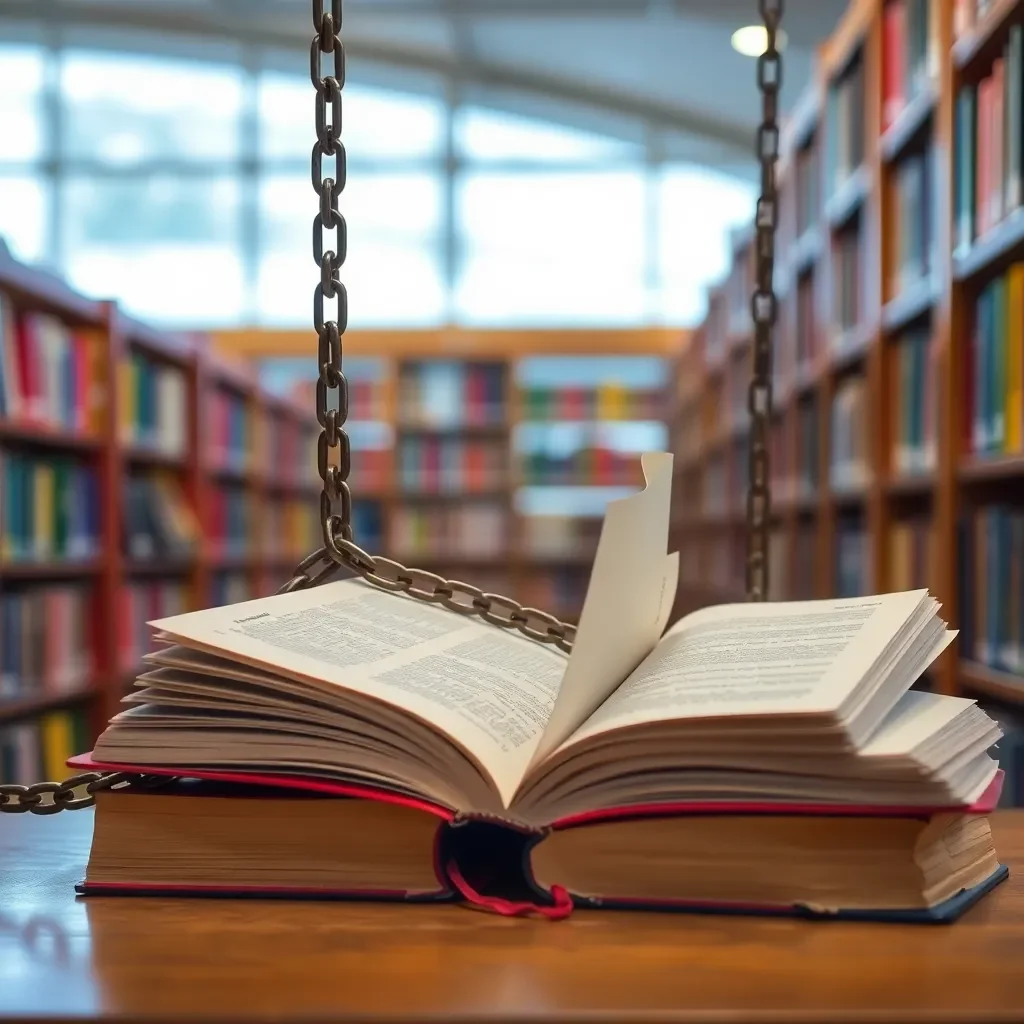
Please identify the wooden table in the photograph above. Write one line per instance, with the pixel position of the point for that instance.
(62, 957)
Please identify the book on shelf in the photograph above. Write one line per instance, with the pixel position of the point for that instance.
(808, 448)
(848, 458)
(51, 375)
(153, 404)
(808, 187)
(806, 326)
(909, 60)
(40, 748)
(50, 508)
(912, 553)
(449, 394)
(968, 13)
(229, 588)
(805, 560)
(368, 524)
(227, 434)
(989, 144)
(47, 641)
(915, 255)
(853, 569)
(993, 384)
(496, 768)
(139, 601)
(590, 465)
(158, 520)
(913, 403)
(609, 401)
(229, 521)
(471, 530)
(437, 465)
(845, 128)
(991, 587)
(847, 286)
(557, 536)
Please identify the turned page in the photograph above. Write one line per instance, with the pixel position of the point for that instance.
(759, 659)
(629, 599)
(489, 690)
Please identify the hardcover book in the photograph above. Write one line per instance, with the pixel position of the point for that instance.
(346, 741)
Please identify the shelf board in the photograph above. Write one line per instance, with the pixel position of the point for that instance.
(908, 484)
(245, 475)
(493, 494)
(851, 349)
(806, 250)
(160, 566)
(141, 455)
(236, 563)
(40, 289)
(48, 437)
(971, 45)
(997, 467)
(849, 197)
(913, 302)
(463, 429)
(850, 495)
(26, 707)
(540, 563)
(54, 569)
(912, 120)
(176, 348)
(991, 682)
(1006, 239)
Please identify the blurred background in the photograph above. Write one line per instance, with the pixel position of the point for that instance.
(549, 208)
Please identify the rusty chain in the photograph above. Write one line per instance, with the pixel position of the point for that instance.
(764, 309)
(339, 550)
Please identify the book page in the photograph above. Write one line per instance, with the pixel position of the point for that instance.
(758, 659)
(629, 599)
(489, 690)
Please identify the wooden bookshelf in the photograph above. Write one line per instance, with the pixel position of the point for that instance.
(921, 285)
(105, 444)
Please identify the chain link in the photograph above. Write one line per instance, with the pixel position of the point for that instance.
(73, 794)
(764, 308)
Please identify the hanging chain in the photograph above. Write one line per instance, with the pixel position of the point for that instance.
(339, 550)
(73, 794)
(764, 307)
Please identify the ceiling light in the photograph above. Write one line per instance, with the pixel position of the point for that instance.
(751, 40)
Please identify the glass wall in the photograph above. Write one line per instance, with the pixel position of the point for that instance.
(178, 183)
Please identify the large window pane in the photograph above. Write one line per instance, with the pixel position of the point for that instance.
(393, 269)
(484, 135)
(552, 248)
(23, 217)
(124, 109)
(376, 123)
(167, 248)
(21, 115)
(696, 208)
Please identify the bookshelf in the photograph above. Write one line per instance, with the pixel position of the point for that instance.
(490, 456)
(899, 454)
(114, 447)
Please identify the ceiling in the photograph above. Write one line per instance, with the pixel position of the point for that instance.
(624, 66)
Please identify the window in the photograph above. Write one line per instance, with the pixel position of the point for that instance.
(696, 209)
(21, 94)
(551, 247)
(166, 247)
(377, 124)
(393, 266)
(125, 109)
(23, 217)
(491, 136)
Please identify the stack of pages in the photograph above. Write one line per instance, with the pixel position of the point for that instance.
(348, 742)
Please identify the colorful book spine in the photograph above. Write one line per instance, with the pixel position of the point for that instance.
(913, 418)
(139, 602)
(229, 522)
(474, 530)
(845, 130)
(432, 464)
(47, 641)
(848, 461)
(229, 431)
(50, 509)
(50, 374)
(36, 749)
(994, 378)
(158, 520)
(153, 405)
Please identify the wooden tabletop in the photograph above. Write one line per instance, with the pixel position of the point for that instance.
(219, 960)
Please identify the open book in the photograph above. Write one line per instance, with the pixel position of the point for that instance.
(382, 695)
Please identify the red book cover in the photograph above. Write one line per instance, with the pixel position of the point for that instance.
(29, 379)
(982, 157)
(80, 370)
(476, 396)
(894, 31)
(997, 115)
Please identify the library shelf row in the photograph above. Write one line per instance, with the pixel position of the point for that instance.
(13, 710)
(879, 162)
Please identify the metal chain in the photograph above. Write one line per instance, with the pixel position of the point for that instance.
(53, 797)
(339, 550)
(764, 308)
